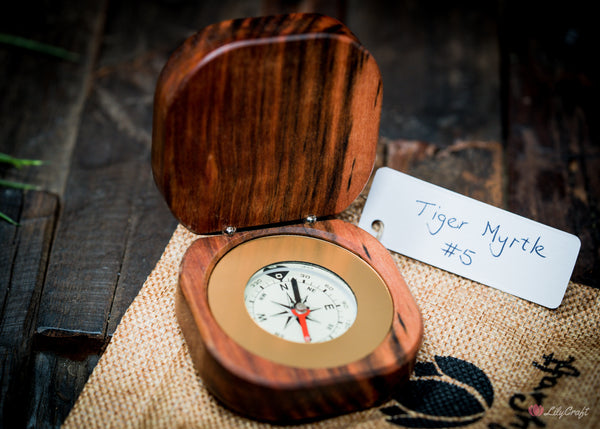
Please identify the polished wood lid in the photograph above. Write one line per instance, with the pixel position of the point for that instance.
(267, 120)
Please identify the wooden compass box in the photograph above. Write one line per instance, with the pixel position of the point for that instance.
(260, 124)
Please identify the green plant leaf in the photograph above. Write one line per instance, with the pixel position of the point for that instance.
(18, 185)
(18, 162)
(8, 219)
(44, 48)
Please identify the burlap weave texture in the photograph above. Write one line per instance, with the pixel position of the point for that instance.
(486, 358)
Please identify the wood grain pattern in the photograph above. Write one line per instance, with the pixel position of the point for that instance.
(24, 251)
(334, 8)
(114, 223)
(552, 130)
(469, 168)
(266, 120)
(440, 67)
(43, 96)
(265, 390)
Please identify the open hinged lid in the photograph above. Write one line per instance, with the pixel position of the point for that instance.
(265, 120)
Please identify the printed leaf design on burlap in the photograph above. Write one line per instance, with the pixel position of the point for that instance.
(426, 368)
(449, 392)
(467, 373)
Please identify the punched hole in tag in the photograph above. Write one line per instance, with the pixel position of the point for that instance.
(377, 226)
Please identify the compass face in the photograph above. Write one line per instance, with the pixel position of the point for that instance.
(300, 302)
(294, 300)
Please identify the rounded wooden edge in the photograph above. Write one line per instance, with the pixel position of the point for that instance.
(191, 53)
(268, 391)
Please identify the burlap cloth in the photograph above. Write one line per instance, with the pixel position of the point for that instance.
(486, 358)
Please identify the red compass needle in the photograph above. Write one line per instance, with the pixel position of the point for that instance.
(301, 315)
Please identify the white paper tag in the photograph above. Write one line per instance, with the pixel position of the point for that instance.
(470, 238)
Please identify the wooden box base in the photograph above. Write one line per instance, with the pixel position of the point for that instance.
(259, 388)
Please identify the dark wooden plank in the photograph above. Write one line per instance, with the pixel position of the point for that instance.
(59, 381)
(31, 243)
(110, 198)
(42, 96)
(475, 169)
(11, 203)
(40, 108)
(110, 194)
(441, 117)
(151, 223)
(439, 65)
(160, 26)
(22, 280)
(334, 8)
(552, 141)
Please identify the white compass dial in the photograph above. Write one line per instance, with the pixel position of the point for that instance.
(300, 302)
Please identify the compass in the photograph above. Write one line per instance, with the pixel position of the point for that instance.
(263, 130)
(300, 302)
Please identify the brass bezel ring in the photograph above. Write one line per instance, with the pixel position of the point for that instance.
(230, 275)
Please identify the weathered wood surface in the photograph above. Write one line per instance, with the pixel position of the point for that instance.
(23, 258)
(477, 98)
(552, 131)
(42, 96)
(439, 66)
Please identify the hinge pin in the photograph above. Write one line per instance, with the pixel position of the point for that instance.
(310, 219)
